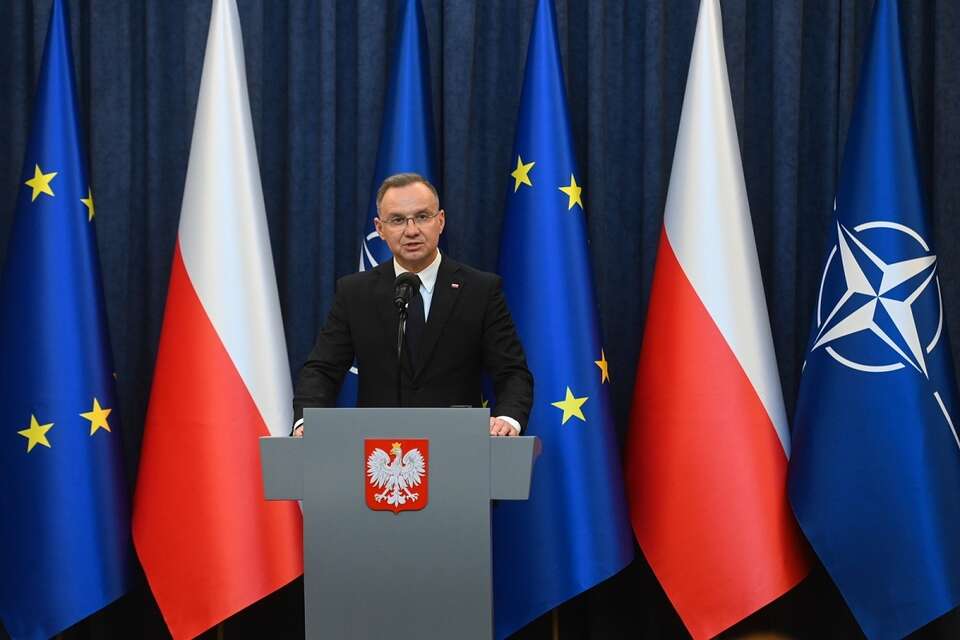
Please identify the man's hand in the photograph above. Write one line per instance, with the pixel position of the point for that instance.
(500, 427)
(298, 432)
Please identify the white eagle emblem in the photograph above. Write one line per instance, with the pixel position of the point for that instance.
(396, 477)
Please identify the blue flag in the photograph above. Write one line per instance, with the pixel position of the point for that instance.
(875, 473)
(64, 529)
(406, 139)
(573, 532)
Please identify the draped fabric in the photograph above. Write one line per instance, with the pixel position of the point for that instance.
(317, 74)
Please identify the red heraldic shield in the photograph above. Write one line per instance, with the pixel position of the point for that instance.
(396, 474)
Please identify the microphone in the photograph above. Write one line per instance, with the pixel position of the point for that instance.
(403, 288)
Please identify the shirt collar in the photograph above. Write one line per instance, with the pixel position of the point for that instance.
(428, 277)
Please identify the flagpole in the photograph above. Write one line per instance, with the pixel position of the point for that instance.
(556, 623)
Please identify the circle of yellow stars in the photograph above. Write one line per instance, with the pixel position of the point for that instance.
(36, 433)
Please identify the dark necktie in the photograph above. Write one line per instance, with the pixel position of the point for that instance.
(415, 325)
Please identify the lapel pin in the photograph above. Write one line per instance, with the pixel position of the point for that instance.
(454, 285)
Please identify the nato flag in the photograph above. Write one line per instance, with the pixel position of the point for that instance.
(406, 134)
(875, 473)
(406, 140)
(573, 532)
(64, 532)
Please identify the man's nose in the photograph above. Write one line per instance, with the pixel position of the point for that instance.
(411, 229)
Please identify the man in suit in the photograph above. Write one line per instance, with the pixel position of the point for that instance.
(458, 325)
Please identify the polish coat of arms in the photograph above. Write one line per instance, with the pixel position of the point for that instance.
(396, 474)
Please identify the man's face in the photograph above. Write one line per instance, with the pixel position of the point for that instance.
(413, 245)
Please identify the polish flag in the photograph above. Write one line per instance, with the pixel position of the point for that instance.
(707, 451)
(209, 543)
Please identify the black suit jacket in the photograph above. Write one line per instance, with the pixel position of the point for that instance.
(468, 330)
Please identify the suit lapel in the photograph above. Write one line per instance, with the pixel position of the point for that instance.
(383, 297)
(444, 299)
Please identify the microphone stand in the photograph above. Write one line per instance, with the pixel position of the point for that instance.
(401, 334)
(403, 291)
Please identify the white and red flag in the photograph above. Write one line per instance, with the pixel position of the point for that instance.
(706, 460)
(209, 543)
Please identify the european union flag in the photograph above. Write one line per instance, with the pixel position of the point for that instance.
(64, 529)
(875, 474)
(406, 139)
(573, 532)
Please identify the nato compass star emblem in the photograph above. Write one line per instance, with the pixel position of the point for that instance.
(879, 298)
(877, 303)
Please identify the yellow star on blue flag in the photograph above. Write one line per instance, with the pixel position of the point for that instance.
(521, 174)
(36, 433)
(573, 191)
(571, 406)
(40, 183)
(88, 203)
(97, 417)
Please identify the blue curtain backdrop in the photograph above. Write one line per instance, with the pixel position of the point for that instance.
(318, 70)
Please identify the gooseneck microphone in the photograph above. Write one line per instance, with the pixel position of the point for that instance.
(404, 287)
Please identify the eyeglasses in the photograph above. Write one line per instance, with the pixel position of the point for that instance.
(400, 222)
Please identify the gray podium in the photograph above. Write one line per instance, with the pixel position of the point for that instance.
(419, 567)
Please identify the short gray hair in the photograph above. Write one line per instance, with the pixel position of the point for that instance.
(402, 180)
